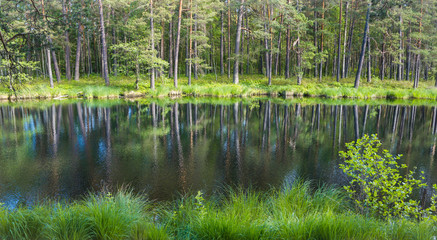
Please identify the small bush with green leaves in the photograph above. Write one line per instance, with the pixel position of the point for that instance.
(377, 186)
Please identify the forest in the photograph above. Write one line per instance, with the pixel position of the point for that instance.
(63, 40)
(228, 119)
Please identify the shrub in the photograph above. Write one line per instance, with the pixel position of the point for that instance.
(376, 184)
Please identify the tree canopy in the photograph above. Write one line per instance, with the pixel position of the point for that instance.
(161, 38)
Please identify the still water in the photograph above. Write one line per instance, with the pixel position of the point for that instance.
(65, 149)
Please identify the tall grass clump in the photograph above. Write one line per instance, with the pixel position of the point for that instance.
(100, 92)
(99, 216)
(24, 223)
(70, 222)
(114, 216)
(297, 211)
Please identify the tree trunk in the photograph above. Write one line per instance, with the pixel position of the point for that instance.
(170, 52)
(55, 62)
(270, 12)
(114, 67)
(400, 49)
(137, 73)
(344, 41)
(408, 64)
(237, 42)
(299, 64)
(187, 52)
(79, 38)
(49, 63)
(339, 43)
(278, 54)
(104, 48)
(241, 68)
(67, 43)
(162, 47)
(229, 40)
(266, 45)
(321, 41)
(49, 67)
(348, 57)
(195, 69)
(178, 39)
(248, 48)
(190, 43)
(417, 71)
(287, 54)
(77, 65)
(369, 63)
(222, 70)
(152, 38)
(382, 69)
(363, 48)
(90, 66)
(315, 36)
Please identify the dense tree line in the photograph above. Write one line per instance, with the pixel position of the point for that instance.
(165, 38)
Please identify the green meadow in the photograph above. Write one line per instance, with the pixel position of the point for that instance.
(220, 86)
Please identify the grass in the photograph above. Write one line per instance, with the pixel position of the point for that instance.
(250, 85)
(293, 212)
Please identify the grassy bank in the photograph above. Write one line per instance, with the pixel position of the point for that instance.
(253, 85)
(295, 212)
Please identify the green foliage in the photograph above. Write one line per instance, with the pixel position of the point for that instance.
(24, 223)
(114, 216)
(296, 211)
(70, 222)
(209, 85)
(376, 185)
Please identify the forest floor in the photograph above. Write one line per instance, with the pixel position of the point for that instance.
(250, 85)
(296, 212)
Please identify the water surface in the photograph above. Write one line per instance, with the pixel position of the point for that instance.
(65, 149)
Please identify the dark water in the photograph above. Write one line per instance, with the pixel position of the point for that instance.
(63, 150)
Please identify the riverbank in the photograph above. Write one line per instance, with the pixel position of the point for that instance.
(296, 212)
(210, 86)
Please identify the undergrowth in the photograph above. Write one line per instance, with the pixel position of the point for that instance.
(291, 212)
(220, 86)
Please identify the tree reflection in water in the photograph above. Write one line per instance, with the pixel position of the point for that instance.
(64, 150)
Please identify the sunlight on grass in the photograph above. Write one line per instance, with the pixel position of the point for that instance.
(292, 212)
(250, 85)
